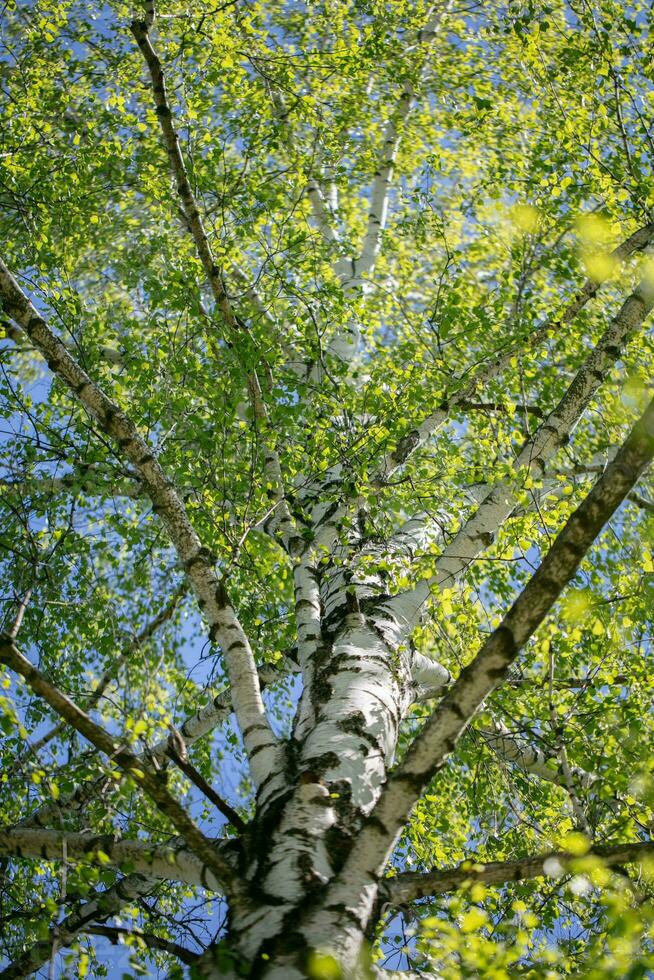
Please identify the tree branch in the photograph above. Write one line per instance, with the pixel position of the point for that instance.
(196, 560)
(480, 530)
(438, 738)
(177, 752)
(174, 861)
(498, 407)
(350, 271)
(135, 644)
(282, 518)
(468, 387)
(522, 753)
(195, 726)
(115, 934)
(642, 502)
(140, 29)
(321, 214)
(411, 886)
(48, 486)
(149, 780)
(101, 906)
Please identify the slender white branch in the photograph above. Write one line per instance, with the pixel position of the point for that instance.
(173, 861)
(198, 563)
(512, 748)
(351, 273)
(479, 531)
(428, 675)
(323, 218)
(321, 212)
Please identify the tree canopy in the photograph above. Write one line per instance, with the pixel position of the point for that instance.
(326, 524)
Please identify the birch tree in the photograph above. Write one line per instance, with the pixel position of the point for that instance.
(326, 513)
